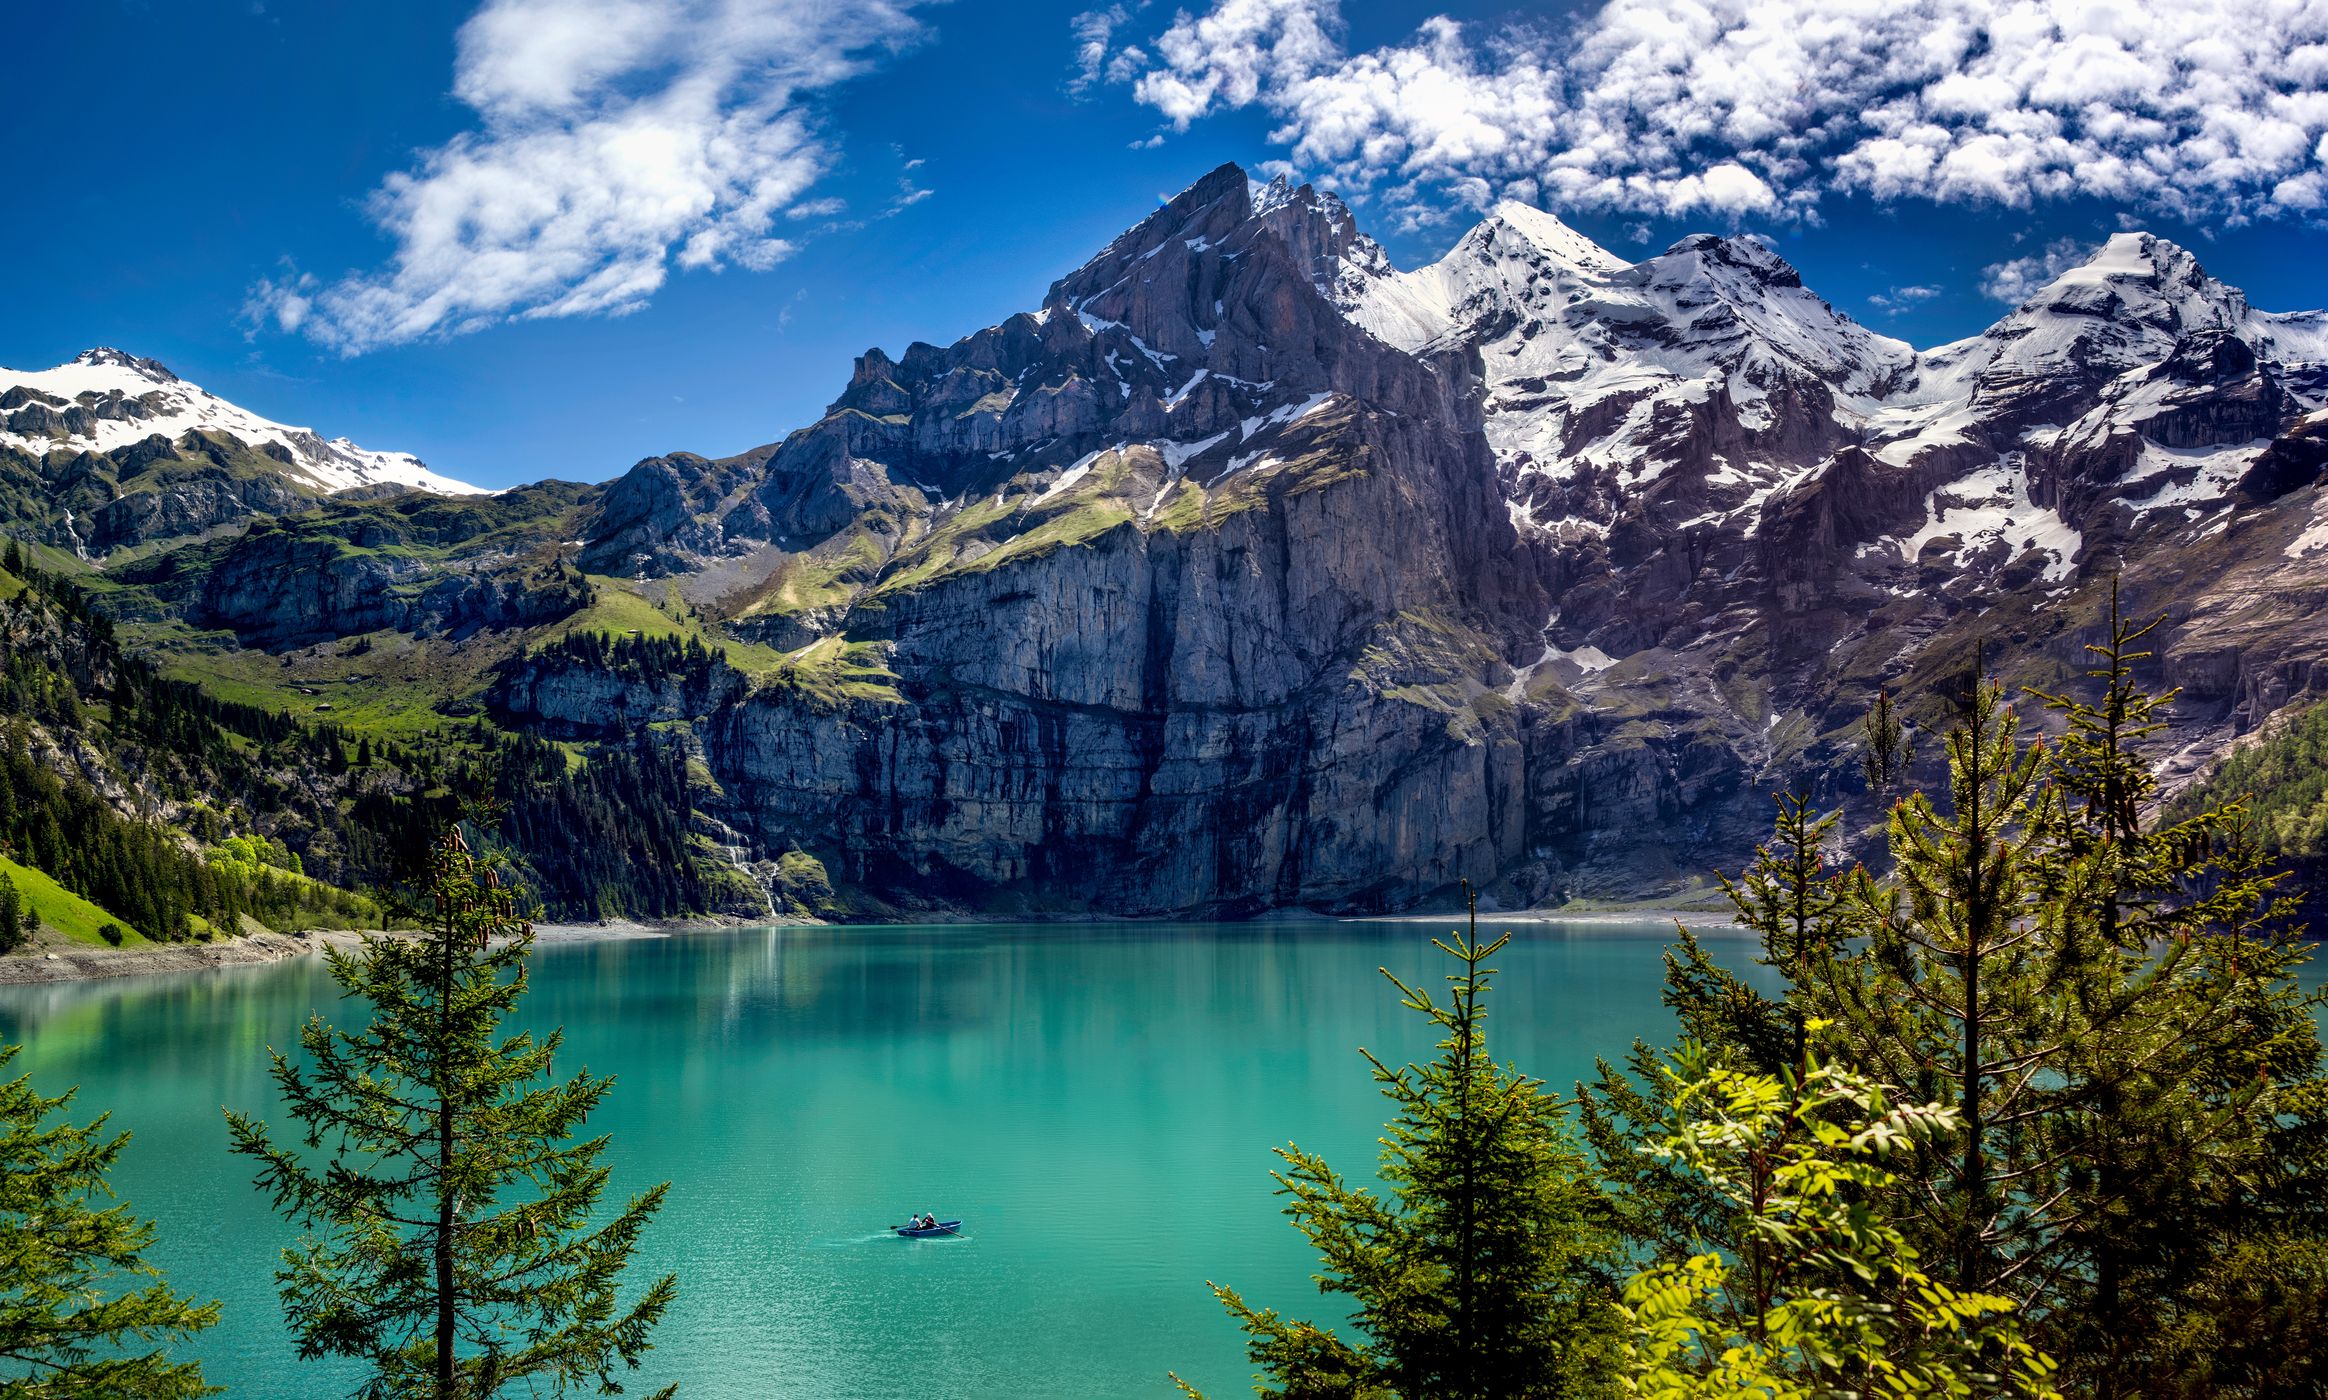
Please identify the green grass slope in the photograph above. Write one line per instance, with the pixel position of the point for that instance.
(65, 911)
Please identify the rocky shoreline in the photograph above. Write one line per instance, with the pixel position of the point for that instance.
(58, 961)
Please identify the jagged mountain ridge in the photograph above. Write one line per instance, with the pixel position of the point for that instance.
(1248, 571)
(1598, 368)
(1708, 467)
(1120, 562)
(1663, 449)
(1741, 509)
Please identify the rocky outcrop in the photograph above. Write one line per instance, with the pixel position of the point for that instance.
(569, 695)
(282, 586)
(658, 514)
(189, 503)
(2293, 461)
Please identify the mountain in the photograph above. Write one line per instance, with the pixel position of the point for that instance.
(120, 452)
(1249, 571)
(1113, 577)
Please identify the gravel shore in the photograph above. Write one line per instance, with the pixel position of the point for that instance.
(54, 960)
(57, 961)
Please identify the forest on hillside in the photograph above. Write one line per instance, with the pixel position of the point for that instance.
(182, 813)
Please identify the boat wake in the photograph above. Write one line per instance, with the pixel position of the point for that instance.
(884, 1237)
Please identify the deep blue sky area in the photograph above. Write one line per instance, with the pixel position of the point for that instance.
(169, 156)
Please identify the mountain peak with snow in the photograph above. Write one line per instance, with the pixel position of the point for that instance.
(2142, 277)
(1546, 232)
(104, 400)
(1743, 253)
(106, 357)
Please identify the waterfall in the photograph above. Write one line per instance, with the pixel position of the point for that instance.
(732, 841)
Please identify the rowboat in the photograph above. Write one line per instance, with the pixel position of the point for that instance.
(921, 1232)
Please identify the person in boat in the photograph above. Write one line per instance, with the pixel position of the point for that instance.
(928, 1222)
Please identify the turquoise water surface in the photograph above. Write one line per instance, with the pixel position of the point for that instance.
(1097, 1102)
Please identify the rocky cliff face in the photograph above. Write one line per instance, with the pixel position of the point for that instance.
(433, 566)
(1192, 596)
(1248, 571)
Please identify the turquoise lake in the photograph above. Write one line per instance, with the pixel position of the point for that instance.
(1097, 1102)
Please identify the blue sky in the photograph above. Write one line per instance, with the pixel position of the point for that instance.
(342, 215)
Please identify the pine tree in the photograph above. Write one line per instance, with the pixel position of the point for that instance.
(1944, 1001)
(1831, 1299)
(73, 1318)
(460, 1250)
(2106, 999)
(1888, 750)
(1483, 1276)
(2191, 1133)
(15, 923)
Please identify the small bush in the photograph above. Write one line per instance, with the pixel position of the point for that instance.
(113, 934)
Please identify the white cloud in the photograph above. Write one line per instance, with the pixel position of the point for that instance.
(1094, 58)
(615, 138)
(2198, 108)
(2016, 281)
(1895, 300)
(1227, 57)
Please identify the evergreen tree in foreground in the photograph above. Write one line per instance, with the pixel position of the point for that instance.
(2105, 998)
(458, 1249)
(1485, 1275)
(67, 1327)
(1828, 1297)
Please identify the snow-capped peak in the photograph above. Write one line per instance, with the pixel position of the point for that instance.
(1546, 232)
(2126, 306)
(103, 399)
(1549, 304)
(2142, 277)
(2138, 254)
(1270, 195)
(1734, 254)
(106, 357)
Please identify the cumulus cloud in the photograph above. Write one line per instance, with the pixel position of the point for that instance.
(2015, 281)
(1674, 107)
(615, 139)
(1230, 56)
